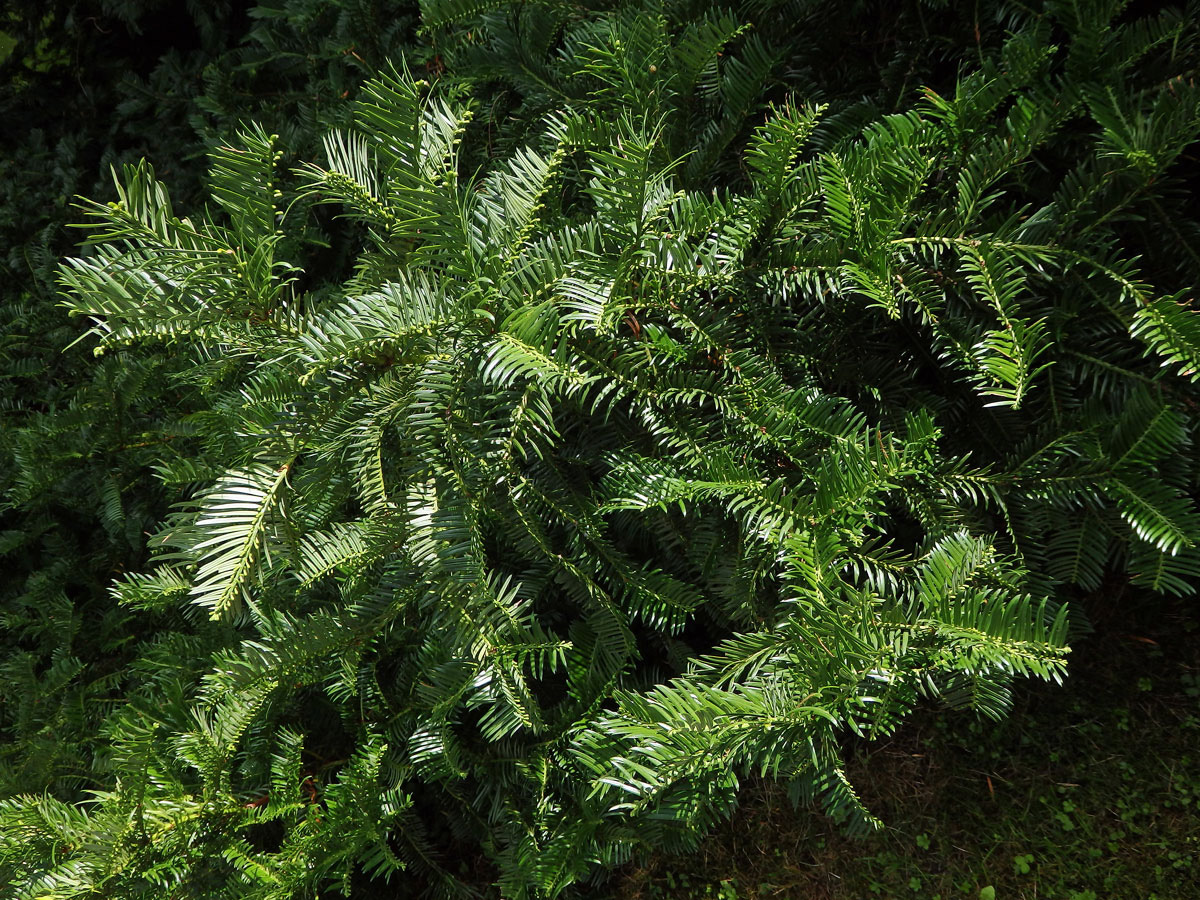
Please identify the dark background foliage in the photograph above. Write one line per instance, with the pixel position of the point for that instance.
(88, 86)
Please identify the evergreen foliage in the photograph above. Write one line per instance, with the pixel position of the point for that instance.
(628, 410)
(79, 436)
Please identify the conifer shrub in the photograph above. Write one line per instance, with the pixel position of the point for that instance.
(86, 85)
(661, 420)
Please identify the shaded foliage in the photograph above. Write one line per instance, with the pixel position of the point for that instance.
(639, 401)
